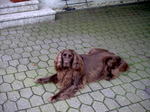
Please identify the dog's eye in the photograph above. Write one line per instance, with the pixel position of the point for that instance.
(70, 56)
(64, 54)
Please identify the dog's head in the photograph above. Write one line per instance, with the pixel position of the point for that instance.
(68, 59)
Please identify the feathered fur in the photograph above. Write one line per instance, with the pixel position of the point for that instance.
(75, 70)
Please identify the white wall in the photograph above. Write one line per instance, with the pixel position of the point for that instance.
(52, 3)
(94, 3)
(112, 2)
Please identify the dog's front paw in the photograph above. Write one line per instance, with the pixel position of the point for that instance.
(42, 81)
(53, 99)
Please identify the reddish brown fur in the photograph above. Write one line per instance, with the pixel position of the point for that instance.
(98, 64)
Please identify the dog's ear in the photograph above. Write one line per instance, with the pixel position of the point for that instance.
(77, 63)
(58, 61)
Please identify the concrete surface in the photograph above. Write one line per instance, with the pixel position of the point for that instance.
(27, 53)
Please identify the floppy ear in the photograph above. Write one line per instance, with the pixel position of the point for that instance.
(77, 63)
(58, 61)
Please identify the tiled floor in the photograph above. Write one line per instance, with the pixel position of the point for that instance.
(27, 53)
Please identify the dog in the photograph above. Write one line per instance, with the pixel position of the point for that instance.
(75, 70)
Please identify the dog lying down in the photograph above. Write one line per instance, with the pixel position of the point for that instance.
(75, 70)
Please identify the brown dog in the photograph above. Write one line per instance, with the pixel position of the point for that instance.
(74, 70)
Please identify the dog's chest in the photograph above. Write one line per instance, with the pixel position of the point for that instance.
(64, 78)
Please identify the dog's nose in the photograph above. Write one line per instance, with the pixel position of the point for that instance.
(66, 64)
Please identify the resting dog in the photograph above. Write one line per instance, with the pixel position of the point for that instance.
(75, 70)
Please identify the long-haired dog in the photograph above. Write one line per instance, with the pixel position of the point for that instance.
(75, 70)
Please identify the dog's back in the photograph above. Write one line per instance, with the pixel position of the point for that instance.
(100, 64)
